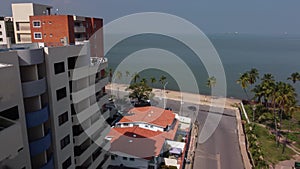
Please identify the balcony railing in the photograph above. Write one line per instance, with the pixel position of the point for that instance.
(95, 61)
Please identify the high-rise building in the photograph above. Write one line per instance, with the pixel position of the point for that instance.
(21, 13)
(52, 105)
(60, 30)
(6, 31)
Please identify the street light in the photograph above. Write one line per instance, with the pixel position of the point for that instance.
(165, 94)
(253, 113)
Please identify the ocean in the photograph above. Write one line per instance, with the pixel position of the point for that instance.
(275, 54)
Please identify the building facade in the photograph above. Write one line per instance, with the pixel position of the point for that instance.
(60, 101)
(6, 31)
(21, 13)
(60, 30)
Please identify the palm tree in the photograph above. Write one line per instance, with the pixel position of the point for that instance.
(110, 73)
(152, 80)
(244, 82)
(285, 97)
(135, 76)
(253, 76)
(211, 82)
(294, 77)
(267, 87)
(162, 79)
(144, 80)
(119, 75)
(127, 73)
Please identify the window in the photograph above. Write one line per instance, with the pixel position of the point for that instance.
(50, 22)
(11, 113)
(1, 39)
(63, 118)
(124, 158)
(59, 67)
(0, 32)
(61, 93)
(64, 142)
(113, 157)
(51, 35)
(45, 35)
(37, 35)
(66, 164)
(36, 24)
(131, 159)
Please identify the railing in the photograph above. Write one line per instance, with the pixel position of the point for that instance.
(97, 61)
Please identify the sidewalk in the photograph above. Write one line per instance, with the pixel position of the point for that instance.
(201, 100)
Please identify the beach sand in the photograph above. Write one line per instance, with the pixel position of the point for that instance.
(185, 97)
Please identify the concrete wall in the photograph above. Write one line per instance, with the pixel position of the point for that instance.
(10, 96)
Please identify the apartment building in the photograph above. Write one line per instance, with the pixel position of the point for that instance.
(6, 31)
(21, 13)
(59, 96)
(13, 133)
(60, 30)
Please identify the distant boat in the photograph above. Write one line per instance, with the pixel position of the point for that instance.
(236, 33)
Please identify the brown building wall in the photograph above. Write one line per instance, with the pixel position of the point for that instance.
(54, 28)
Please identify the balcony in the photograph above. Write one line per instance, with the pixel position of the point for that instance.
(96, 61)
(10, 138)
(79, 29)
(40, 145)
(85, 114)
(105, 113)
(34, 88)
(98, 126)
(30, 57)
(102, 99)
(90, 150)
(49, 164)
(101, 82)
(37, 118)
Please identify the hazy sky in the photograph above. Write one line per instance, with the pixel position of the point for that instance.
(211, 16)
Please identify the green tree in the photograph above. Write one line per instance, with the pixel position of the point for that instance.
(135, 77)
(294, 77)
(244, 82)
(211, 82)
(127, 73)
(253, 76)
(140, 91)
(153, 80)
(144, 80)
(119, 75)
(163, 79)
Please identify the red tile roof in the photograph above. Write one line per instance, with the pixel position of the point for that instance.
(151, 115)
(139, 142)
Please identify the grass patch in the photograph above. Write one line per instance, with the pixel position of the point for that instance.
(272, 153)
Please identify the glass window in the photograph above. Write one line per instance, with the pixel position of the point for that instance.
(59, 67)
(66, 164)
(36, 24)
(61, 93)
(37, 35)
(64, 142)
(63, 118)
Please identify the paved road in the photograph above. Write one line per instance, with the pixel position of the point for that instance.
(221, 150)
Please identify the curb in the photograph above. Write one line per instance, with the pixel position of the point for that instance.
(242, 143)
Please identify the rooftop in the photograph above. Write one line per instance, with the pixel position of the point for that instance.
(132, 140)
(151, 115)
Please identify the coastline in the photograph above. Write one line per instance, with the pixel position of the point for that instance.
(202, 100)
(183, 96)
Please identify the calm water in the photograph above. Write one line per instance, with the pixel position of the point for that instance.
(279, 55)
